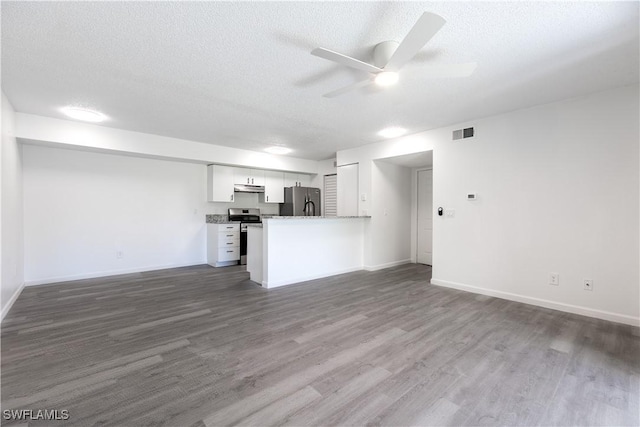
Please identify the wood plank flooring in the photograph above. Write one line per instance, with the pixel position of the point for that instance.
(199, 346)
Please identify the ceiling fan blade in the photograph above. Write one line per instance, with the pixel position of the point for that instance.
(346, 89)
(344, 60)
(436, 71)
(423, 30)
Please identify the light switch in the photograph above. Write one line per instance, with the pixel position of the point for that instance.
(363, 197)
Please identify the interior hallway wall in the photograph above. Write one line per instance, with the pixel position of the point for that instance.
(390, 216)
(11, 228)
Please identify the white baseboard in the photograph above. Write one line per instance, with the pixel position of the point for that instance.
(94, 275)
(386, 265)
(14, 297)
(275, 284)
(575, 309)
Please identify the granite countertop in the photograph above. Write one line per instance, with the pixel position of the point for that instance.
(219, 219)
(317, 217)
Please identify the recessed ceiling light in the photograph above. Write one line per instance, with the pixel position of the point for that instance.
(278, 149)
(386, 78)
(392, 132)
(84, 114)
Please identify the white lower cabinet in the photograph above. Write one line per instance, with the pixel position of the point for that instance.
(223, 244)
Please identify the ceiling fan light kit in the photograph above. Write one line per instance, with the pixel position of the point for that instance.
(390, 56)
(387, 78)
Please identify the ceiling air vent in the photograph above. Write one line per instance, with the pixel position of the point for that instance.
(463, 133)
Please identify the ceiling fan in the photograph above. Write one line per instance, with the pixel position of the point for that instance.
(390, 56)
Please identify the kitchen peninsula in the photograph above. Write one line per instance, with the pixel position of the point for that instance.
(289, 249)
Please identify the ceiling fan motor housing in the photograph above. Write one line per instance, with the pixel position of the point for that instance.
(382, 52)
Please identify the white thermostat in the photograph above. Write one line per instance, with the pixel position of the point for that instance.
(472, 196)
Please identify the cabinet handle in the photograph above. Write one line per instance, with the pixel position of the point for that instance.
(229, 235)
(267, 198)
(247, 180)
(252, 180)
(229, 252)
(229, 243)
(232, 197)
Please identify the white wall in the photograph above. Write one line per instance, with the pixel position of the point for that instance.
(366, 154)
(11, 228)
(385, 190)
(325, 167)
(347, 187)
(390, 215)
(80, 208)
(558, 192)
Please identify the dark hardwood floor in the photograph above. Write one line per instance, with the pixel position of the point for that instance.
(200, 346)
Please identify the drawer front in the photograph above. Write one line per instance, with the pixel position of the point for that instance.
(228, 239)
(229, 254)
(228, 227)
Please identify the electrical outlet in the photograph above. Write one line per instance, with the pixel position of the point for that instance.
(119, 254)
(451, 213)
(588, 284)
(554, 279)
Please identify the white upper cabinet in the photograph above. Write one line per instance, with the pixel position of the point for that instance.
(296, 180)
(249, 176)
(220, 183)
(273, 187)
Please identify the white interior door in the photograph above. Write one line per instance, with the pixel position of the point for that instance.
(425, 217)
(348, 190)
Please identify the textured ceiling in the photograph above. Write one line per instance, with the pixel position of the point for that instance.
(240, 73)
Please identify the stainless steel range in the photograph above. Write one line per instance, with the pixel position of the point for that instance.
(245, 216)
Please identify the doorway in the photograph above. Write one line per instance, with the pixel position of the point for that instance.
(424, 246)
